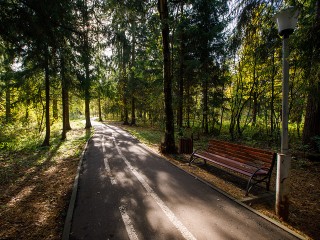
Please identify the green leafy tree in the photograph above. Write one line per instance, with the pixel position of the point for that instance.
(208, 20)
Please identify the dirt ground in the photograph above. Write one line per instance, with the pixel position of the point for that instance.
(34, 206)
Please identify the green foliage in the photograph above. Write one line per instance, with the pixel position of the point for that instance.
(149, 136)
(16, 137)
(225, 76)
(21, 152)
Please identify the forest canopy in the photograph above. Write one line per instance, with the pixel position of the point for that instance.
(213, 66)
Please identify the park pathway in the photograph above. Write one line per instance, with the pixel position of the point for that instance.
(127, 191)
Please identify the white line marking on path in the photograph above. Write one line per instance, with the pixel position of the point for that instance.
(175, 221)
(128, 224)
(125, 217)
(106, 163)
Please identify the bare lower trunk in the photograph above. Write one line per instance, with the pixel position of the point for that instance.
(8, 102)
(99, 108)
(169, 143)
(46, 141)
(312, 117)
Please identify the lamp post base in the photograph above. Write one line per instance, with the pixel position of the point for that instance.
(282, 185)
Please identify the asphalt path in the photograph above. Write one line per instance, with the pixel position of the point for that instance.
(127, 191)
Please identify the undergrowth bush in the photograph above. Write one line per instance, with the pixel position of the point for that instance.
(17, 137)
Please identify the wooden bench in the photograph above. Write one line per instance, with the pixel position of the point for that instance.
(255, 163)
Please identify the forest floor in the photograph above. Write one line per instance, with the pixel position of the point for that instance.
(36, 187)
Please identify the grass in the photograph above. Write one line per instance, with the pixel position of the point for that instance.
(20, 148)
(149, 136)
(36, 182)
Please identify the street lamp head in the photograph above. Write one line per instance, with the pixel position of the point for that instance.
(286, 21)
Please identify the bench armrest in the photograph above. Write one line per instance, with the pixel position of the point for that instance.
(192, 155)
(198, 149)
(263, 168)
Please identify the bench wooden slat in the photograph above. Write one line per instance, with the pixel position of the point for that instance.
(235, 165)
(263, 155)
(242, 157)
(248, 149)
(228, 144)
(252, 162)
(242, 153)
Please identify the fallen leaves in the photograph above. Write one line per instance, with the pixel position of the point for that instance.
(34, 205)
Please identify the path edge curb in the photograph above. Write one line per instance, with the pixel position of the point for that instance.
(278, 224)
(68, 219)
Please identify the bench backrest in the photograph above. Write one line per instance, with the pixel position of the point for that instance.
(248, 155)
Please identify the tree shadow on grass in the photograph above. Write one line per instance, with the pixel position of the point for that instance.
(23, 166)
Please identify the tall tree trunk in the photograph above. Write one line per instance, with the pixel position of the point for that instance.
(254, 108)
(188, 108)
(65, 108)
(87, 85)
(312, 117)
(181, 75)
(99, 108)
(124, 81)
(272, 127)
(125, 112)
(67, 116)
(27, 110)
(133, 111)
(125, 99)
(205, 125)
(87, 109)
(169, 143)
(64, 92)
(55, 108)
(205, 85)
(87, 60)
(235, 103)
(132, 76)
(46, 141)
(254, 95)
(8, 101)
(64, 113)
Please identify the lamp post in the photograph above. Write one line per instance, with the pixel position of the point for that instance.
(286, 21)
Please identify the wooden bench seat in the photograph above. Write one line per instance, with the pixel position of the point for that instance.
(255, 163)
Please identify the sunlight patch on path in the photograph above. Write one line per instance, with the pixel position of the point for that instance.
(174, 220)
(106, 162)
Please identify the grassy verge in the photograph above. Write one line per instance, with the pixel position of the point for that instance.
(36, 182)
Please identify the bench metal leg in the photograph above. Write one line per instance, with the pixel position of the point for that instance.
(250, 184)
(268, 183)
(248, 188)
(191, 158)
